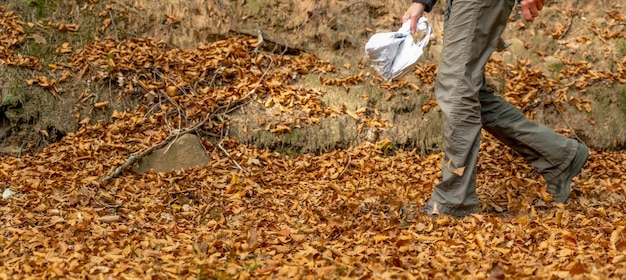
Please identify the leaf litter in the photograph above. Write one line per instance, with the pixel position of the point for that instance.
(332, 215)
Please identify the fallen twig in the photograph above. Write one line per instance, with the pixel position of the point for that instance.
(346, 166)
(569, 25)
(259, 38)
(219, 145)
(352, 4)
(567, 123)
(114, 27)
(109, 219)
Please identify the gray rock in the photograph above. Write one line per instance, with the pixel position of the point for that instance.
(515, 50)
(552, 63)
(517, 46)
(185, 153)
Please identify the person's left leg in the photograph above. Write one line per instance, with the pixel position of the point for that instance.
(556, 157)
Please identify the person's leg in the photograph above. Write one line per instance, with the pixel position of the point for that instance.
(471, 32)
(551, 153)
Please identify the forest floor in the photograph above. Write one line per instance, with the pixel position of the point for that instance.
(85, 97)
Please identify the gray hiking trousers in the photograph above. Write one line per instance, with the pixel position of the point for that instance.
(471, 32)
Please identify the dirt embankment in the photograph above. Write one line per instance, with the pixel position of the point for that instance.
(566, 70)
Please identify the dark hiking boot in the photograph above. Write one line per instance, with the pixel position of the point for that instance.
(561, 186)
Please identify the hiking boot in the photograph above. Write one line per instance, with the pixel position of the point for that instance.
(560, 187)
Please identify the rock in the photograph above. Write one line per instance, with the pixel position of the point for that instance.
(552, 63)
(550, 13)
(39, 39)
(514, 51)
(517, 46)
(599, 22)
(7, 193)
(433, 54)
(186, 152)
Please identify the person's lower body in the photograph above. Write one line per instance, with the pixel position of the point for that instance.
(472, 30)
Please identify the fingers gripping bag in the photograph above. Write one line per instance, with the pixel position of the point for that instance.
(393, 54)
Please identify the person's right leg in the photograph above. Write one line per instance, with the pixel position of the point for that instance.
(471, 32)
(555, 156)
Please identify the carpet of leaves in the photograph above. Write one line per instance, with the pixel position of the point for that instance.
(334, 215)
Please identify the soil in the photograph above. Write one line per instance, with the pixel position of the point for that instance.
(334, 30)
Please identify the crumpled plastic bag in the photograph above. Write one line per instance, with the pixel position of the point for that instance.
(394, 54)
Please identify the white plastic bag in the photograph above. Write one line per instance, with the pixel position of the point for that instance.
(394, 54)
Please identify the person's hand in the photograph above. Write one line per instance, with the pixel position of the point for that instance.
(531, 8)
(414, 12)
